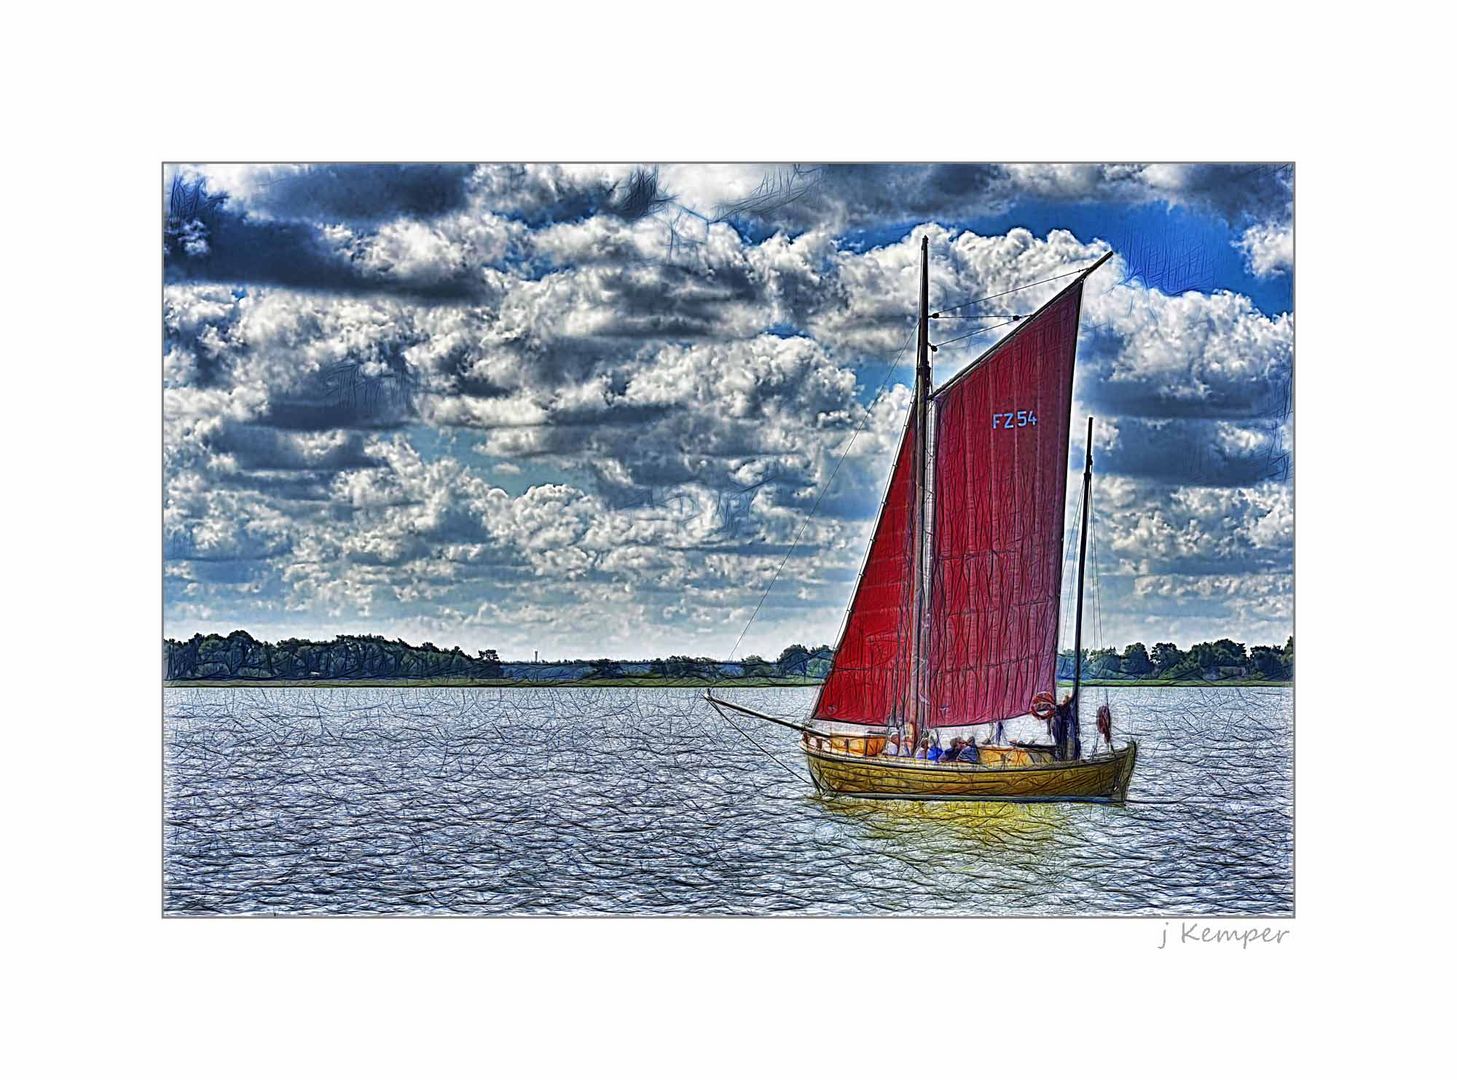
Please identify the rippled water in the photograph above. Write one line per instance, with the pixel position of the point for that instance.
(643, 801)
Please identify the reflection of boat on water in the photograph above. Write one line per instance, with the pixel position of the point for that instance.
(931, 823)
(954, 621)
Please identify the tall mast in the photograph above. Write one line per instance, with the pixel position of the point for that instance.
(922, 400)
(1082, 563)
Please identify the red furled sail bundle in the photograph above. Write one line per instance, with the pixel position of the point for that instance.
(869, 680)
(1000, 477)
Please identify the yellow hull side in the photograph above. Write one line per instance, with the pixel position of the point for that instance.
(1003, 756)
(1103, 778)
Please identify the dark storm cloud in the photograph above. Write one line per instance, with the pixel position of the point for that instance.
(232, 248)
(1195, 451)
(361, 194)
(1241, 193)
(349, 401)
(255, 446)
(860, 196)
(658, 300)
(541, 196)
(1255, 400)
(294, 486)
(279, 464)
(275, 233)
(876, 191)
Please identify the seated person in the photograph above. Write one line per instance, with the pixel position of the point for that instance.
(964, 751)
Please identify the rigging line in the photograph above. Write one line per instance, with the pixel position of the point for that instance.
(1097, 592)
(1097, 595)
(992, 296)
(1070, 574)
(823, 489)
(978, 330)
(1069, 586)
(725, 718)
(1097, 589)
(988, 315)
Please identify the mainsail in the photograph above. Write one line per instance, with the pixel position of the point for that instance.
(870, 677)
(986, 581)
(1000, 468)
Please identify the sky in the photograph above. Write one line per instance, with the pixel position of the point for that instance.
(588, 410)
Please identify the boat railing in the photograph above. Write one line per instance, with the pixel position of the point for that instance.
(854, 745)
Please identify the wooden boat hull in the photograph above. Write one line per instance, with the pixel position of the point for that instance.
(1098, 779)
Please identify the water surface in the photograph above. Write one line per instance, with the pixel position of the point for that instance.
(643, 801)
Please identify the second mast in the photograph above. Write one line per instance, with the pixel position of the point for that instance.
(919, 517)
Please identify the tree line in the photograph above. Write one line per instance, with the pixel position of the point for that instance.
(368, 656)
(1208, 660)
(795, 661)
(348, 656)
(239, 655)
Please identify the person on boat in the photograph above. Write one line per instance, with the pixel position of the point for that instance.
(1105, 724)
(893, 745)
(923, 752)
(999, 733)
(963, 750)
(933, 751)
(1065, 743)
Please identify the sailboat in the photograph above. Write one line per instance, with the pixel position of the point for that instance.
(955, 618)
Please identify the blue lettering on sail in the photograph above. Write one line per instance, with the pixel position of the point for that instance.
(1005, 421)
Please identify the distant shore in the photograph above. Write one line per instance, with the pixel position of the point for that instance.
(666, 684)
(239, 659)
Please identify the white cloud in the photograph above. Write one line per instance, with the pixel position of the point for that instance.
(413, 251)
(1269, 248)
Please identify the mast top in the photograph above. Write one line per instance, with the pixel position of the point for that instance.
(923, 343)
(1022, 324)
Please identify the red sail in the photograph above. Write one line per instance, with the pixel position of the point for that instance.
(870, 676)
(996, 550)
